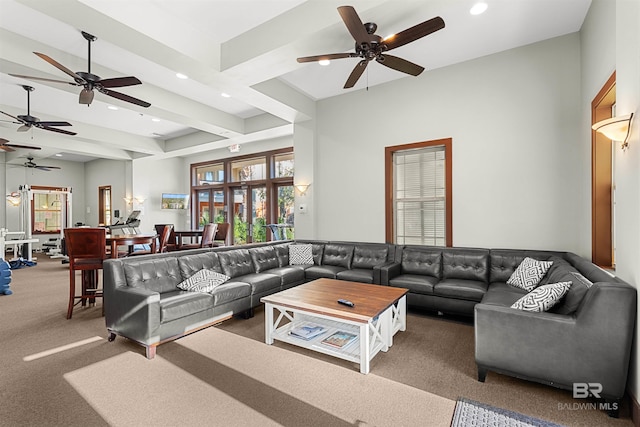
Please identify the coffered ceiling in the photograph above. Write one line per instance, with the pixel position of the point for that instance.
(245, 49)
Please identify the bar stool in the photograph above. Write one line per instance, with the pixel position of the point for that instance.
(86, 249)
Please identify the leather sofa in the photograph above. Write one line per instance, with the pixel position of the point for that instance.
(585, 339)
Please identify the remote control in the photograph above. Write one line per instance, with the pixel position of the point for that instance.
(346, 302)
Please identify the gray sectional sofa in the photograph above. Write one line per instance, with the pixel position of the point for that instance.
(586, 338)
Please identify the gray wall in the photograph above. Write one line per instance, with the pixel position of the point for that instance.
(514, 118)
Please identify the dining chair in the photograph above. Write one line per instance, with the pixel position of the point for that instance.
(208, 233)
(162, 246)
(86, 249)
(172, 244)
(220, 238)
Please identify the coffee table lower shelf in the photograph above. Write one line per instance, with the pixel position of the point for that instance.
(371, 337)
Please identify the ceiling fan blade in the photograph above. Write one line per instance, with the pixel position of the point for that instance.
(66, 132)
(13, 117)
(26, 147)
(3, 141)
(356, 73)
(45, 168)
(60, 67)
(120, 82)
(400, 64)
(44, 80)
(328, 56)
(86, 96)
(23, 128)
(7, 148)
(123, 97)
(414, 33)
(55, 124)
(354, 24)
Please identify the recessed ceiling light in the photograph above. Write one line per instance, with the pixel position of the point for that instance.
(324, 62)
(225, 95)
(58, 155)
(155, 119)
(112, 107)
(182, 76)
(478, 8)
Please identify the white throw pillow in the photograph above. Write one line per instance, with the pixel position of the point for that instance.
(542, 298)
(529, 273)
(203, 281)
(300, 254)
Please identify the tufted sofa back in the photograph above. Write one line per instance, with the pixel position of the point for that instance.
(421, 260)
(369, 256)
(264, 258)
(337, 254)
(505, 261)
(155, 274)
(189, 265)
(236, 262)
(467, 264)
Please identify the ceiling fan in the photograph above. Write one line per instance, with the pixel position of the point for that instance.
(370, 46)
(90, 81)
(5, 146)
(31, 165)
(27, 120)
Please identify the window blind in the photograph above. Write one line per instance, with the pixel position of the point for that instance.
(419, 196)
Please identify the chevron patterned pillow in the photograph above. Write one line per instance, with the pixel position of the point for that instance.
(529, 273)
(203, 281)
(300, 254)
(542, 298)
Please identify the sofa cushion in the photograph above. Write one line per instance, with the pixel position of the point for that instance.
(177, 304)
(264, 258)
(230, 291)
(543, 297)
(320, 271)
(203, 281)
(416, 283)
(529, 273)
(505, 261)
(289, 274)
(501, 294)
(369, 256)
(262, 282)
(467, 264)
(192, 263)
(300, 254)
(472, 290)
(421, 261)
(236, 262)
(361, 275)
(338, 255)
(154, 274)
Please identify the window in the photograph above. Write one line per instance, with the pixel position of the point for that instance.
(248, 192)
(47, 209)
(418, 193)
(104, 205)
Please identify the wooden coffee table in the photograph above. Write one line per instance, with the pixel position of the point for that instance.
(379, 312)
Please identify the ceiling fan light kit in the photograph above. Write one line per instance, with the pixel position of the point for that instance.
(370, 46)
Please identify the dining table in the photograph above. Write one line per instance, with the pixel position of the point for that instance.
(186, 233)
(130, 240)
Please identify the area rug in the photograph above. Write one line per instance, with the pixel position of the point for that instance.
(469, 413)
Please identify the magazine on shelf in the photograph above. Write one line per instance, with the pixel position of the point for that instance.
(339, 339)
(307, 330)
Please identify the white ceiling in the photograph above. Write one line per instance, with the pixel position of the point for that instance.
(244, 48)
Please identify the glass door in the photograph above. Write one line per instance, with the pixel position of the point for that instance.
(203, 209)
(285, 209)
(258, 229)
(239, 223)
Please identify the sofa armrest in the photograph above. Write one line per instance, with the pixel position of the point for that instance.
(388, 271)
(377, 272)
(591, 346)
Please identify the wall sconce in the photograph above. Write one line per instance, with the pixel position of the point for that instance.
(302, 188)
(14, 198)
(615, 128)
(128, 200)
(140, 199)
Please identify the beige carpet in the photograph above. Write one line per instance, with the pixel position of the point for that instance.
(228, 376)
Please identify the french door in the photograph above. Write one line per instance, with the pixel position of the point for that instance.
(210, 207)
(249, 220)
